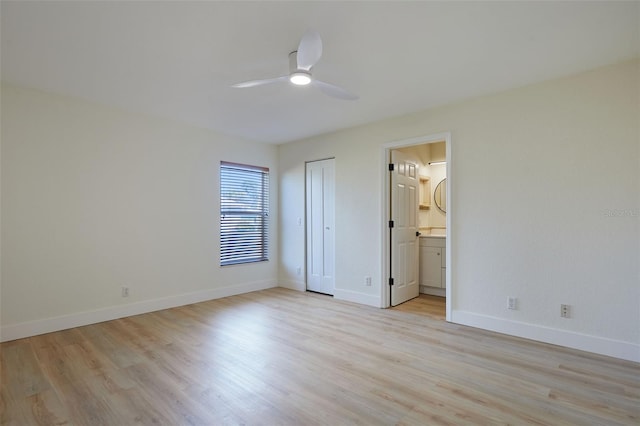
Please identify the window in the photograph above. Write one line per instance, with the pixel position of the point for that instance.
(244, 213)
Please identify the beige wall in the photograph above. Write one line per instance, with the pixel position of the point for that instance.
(95, 198)
(545, 186)
(536, 173)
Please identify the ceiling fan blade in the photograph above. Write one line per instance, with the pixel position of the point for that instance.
(309, 50)
(334, 91)
(254, 83)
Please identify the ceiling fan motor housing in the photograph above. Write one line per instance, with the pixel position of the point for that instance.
(298, 76)
(293, 64)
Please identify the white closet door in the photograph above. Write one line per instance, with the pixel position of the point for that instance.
(320, 226)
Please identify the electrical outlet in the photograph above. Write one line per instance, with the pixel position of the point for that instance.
(565, 311)
(512, 303)
(124, 291)
(367, 281)
(299, 221)
(299, 270)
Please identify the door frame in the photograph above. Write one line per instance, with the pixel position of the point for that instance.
(385, 153)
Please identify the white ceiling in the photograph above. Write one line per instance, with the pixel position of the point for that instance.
(178, 59)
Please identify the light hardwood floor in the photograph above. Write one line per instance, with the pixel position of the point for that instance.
(432, 306)
(285, 357)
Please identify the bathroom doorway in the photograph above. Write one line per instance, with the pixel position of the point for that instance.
(432, 154)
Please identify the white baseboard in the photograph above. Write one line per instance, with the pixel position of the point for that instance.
(293, 285)
(433, 291)
(48, 325)
(338, 294)
(352, 296)
(599, 345)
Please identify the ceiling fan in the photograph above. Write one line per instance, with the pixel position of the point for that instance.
(301, 62)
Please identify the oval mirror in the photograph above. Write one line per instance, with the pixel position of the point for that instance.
(440, 195)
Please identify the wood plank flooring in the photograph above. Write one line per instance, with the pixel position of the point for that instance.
(425, 304)
(285, 357)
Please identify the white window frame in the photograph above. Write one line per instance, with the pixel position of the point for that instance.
(244, 214)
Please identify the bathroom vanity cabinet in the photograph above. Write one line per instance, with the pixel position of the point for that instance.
(433, 264)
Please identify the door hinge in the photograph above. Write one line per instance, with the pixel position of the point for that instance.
(390, 281)
(391, 167)
(391, 224)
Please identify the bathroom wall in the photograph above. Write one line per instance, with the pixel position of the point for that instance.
(437, 152)
(436, 217)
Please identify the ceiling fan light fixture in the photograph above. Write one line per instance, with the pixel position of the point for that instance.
(300, 78)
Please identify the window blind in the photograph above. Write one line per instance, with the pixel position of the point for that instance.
(244, 213)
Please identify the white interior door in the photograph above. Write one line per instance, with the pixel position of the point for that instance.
(405, 182)
(320, 226)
